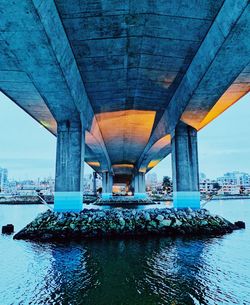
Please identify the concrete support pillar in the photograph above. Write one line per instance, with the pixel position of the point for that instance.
(185, 167)
(82, 159)
(110, 183)
(104, 182)
(69, 163)
(132, 185)
(142, 184)
(136, 183)
(107, 185)
(94, 182)
(139, 185)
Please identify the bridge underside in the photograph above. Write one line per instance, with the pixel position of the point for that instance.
(116, 80)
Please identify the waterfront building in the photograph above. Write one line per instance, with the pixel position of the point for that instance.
(229, 189)
(231, 183)
(27, 191)
(88, 183)
(98, 182)
(151, 179)
(207, 186)
(3, 178)
(236, 177)
(47, 186)
(234, 183)
(29, 187)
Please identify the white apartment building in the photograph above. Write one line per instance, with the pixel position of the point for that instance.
(233, 182)
(206, 186)
(3, 178)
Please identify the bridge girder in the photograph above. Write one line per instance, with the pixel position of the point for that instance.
(128, 71)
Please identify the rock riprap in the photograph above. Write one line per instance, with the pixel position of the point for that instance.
(124, 200)
(92, 223)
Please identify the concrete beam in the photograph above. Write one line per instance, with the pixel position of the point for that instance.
(58, 65)
(61, 47)
(221, 44)
(221, 57)
(40, 67)
(29, 52)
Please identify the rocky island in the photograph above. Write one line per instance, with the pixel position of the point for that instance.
(96, 223)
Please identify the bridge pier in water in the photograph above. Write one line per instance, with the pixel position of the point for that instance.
(139, 185)
(69, 167)
(185, 167)
(94, 182)
(123, 137)
(107, 185)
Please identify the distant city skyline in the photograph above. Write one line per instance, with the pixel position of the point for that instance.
(28, 149)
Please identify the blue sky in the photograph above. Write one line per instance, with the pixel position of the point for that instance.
(28, 150)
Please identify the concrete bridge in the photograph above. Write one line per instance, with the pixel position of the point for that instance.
(123, 83)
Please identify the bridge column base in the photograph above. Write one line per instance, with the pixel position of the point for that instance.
(68, 201)
(139, 183)
(140, 195)
(186, 200)
(106, 196)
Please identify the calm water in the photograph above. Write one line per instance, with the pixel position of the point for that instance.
(127, 272)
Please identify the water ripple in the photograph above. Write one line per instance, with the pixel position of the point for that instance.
(126, 272)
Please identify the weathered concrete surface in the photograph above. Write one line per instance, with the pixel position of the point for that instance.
(185, 158)
(105, 182)
(69, 163)
(138, 183)
(126, 222)
(185, 167)
(107, 185)
(222, 58)
(129, 70)
(38, 69)
(68, 159)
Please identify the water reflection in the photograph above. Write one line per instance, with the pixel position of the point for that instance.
(69, 277)
(144, 271)
(152, 271)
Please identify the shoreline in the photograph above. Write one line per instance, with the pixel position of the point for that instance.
(231, 198)
(33, 201)
(92, 224)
